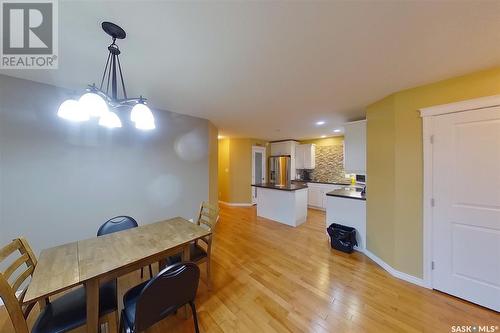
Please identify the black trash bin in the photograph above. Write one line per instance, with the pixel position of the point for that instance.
(342, 238)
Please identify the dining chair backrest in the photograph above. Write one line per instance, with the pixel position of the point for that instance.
(209, 215)
(117, 223)
(172, 288)
(20, 267)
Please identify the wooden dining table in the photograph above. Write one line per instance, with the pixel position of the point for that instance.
(99, 259)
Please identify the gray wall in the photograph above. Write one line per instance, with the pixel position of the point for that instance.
(60, 180)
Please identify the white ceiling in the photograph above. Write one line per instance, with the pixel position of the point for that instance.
(272, 69)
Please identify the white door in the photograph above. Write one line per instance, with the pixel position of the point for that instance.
(258, 169)
(466, 213)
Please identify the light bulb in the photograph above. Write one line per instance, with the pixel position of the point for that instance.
(141, 113)
(110, 120)
(71, 110)
(93, 104)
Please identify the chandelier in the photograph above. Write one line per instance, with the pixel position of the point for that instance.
(103, 102)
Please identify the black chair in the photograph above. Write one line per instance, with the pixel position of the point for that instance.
(119, 223)
(62, 314)
(70, 310)
(154, 300)
(208, 218)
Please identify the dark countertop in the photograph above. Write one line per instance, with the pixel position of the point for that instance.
(319, 182)
(287, 187)
(350, 194)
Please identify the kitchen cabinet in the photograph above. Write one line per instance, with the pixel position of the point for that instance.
(286, 148)
(280, 148)
(299, 157)
(317, 194)
(287, 206)
(309, 156)
(355, 147)
(305, 156)
(314, 196)
(348, 212)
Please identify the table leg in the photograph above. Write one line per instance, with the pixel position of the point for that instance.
(162, 264)
(186, 256)
(43, 303)
(92, 292)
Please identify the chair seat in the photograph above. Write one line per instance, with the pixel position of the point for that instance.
(196, 253)
(69, 311)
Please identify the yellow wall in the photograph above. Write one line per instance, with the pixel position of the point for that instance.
(235, 169)
(212, 163)
(394, 165)
(331, 141)
(240, 158)
(380, 163)
(223, 170)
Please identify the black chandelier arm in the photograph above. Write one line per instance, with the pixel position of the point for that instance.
(133, 100)
(109, 75)
(112, 69)
(116, 102)
(121, 77)
(105, 69)
(114, 90)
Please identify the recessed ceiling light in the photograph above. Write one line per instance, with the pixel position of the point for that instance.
(337, 130)
(323, 136)
(319, 123)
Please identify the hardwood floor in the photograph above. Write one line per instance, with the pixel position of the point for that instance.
(268, 277)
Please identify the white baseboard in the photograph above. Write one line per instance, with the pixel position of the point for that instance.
(394, 272)
(236, 204)
(316, 208)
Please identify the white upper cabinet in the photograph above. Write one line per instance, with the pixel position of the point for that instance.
(355, 147)
(309, 156)
(281, 148)
(299, 157)
(286, 148)
(305, 156)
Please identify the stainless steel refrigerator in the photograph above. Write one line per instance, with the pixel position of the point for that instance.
(279, 169)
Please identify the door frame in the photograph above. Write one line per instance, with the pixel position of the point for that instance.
(262, 150)
(428, 115)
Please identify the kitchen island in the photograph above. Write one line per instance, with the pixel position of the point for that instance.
(347, 206)
(285, 204)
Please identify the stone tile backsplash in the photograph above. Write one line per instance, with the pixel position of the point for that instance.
(329, 164)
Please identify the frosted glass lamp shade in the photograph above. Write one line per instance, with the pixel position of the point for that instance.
(93, 104)
(141, 112)
(145, 124)
(71, 110)
(110, 120)
(142, 116)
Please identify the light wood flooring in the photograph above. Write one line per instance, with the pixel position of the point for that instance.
(268, 277)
